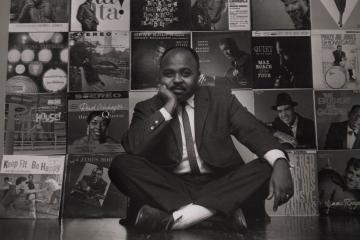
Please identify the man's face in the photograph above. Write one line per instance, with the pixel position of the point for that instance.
(214, 9)
(96, 174)
(339, 48)
(354, 119)
(352, 178)
(159, 51)
(179, 73)
(286, 113)
(227, 51)
(97, 127)
(297, 10)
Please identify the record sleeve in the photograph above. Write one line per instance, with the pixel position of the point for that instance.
(282, 59)
(281, 14)
(39, 16)
(99, 61)
(31, 186)
(220, 15)
(35, 124)
(88, 189)
(305, 199)
(336, 56)
(96, 122)
(160, 15)
(289, 115)
(339, 182)
(100, 15)
(37, 62)
(225, 58)
(146, 51)
(335, 14)
(332, 115)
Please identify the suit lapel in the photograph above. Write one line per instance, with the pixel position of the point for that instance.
(201, 111)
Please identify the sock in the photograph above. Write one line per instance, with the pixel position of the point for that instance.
(190, 215)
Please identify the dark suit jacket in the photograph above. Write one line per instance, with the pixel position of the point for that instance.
(337, 136)
(218, 115)
(305, 134)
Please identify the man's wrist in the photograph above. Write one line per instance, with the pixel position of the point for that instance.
(170, 106)
(282, 161)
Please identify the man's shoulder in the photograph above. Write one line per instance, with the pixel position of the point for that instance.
(153, 101)
(305, 120)
(216, 92)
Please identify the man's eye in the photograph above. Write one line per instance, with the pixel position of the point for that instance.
(167, 73)
(186, 73)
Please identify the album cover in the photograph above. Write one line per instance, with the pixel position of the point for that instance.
(160, 15)
(337, 118)
(305, 199)
(220, 15)
(39, 15)
(100, 15)
(88, 189)
(335, 14)
(225, 58)
(146, 51)
(31, 186)
(96, 122)
(339, 182)
(37, 62)
(282, 59)
(99, 61)
(289, 115)
(281, 14)
(336, 55)
(35, 124)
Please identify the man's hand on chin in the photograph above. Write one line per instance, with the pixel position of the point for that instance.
(281, 183)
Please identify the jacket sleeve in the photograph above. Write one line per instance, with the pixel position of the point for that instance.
(250, 131)
(145, 130)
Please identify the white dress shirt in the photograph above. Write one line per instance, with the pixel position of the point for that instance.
(184, 166)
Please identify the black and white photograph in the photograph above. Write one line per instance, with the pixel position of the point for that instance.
(289, 116)
(99, 61)
(339, 182)
(281, 14)
(335, 56)
(337, 119)
(281, 59)
(31, 186)
(100, 15)
(220, 15)
(96, 122)
(39, 15)
(225, 58)
(88, 190)
(37, 62)
(335, 14)
(35, 124)
(160, 15)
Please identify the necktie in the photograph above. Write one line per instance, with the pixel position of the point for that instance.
(189, 142)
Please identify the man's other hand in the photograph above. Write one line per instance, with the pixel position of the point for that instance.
(169, 98)
(281, 183)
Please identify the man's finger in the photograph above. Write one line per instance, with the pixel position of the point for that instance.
(276, 200)
(271, 192)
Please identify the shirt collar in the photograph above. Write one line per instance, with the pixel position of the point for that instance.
(350, 130)
(190, 101)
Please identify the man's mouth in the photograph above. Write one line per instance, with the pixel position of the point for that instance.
(178, 90)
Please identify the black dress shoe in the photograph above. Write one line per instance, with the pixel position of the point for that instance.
(150, 219)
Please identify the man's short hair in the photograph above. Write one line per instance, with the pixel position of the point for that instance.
(353, 109)
(97, 169)
(6, 179)
(189, 49)
(355, 162)
(104, 114)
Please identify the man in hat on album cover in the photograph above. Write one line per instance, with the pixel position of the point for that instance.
(292, 129)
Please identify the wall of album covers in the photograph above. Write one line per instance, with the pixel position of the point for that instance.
(76, 68)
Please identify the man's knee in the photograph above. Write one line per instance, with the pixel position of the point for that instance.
(122, 164)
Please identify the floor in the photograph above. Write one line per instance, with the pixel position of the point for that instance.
(292, 228)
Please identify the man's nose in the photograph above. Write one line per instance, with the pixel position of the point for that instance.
(178, 78)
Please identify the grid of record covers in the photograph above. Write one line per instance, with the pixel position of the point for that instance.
(77, 68)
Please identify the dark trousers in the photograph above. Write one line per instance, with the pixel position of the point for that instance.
(245, 186)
